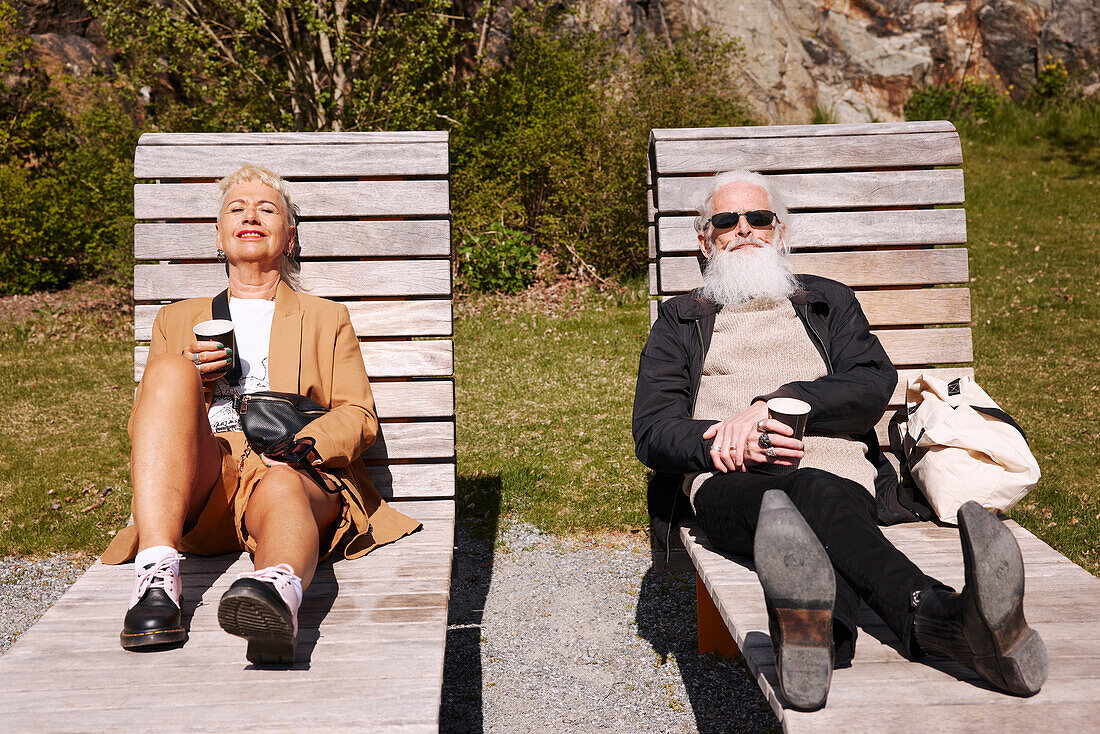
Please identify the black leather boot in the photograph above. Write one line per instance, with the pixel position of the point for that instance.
(154, 617)
(254, 608)
(984, 628)
(799, 592)
(154, 620)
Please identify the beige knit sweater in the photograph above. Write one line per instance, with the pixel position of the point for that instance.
(756, 347)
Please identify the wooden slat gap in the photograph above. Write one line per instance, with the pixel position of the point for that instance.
(407, 380)
(206, 219)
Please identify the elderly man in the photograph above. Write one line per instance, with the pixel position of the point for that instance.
(805, 510)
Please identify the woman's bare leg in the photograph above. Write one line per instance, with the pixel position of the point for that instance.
(287, 515)
(175, 459)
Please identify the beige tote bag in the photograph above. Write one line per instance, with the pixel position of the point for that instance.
(959, 445)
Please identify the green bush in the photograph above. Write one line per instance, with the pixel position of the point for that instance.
(1052, 83)
(65, 174)
(498, 260)
(970, 100)
(553, 138)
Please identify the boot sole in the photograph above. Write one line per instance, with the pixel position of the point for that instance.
(270, 634)
(155, 638)
(1019, 663)
(799, 584)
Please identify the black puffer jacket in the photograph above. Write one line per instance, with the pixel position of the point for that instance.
(850, 399)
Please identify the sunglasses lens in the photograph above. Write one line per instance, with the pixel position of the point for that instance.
(759, 218)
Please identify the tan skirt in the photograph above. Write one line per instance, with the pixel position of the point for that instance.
(220, 526)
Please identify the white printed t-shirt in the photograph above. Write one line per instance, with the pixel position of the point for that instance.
(252, 331)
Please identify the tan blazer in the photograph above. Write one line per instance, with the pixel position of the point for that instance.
(313, 352)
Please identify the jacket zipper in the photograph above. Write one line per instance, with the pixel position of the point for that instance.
(817, 337)
(703, 351)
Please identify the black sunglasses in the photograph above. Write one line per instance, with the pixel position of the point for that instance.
(756, 218)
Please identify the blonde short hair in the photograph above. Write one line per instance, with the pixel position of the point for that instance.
(290, 268)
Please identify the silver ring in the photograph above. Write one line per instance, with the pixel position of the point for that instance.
(770, 452)
(195, 358)
(760, 425)
(765, 441)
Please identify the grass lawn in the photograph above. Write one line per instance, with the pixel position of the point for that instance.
(1033, 202)
(545, 391)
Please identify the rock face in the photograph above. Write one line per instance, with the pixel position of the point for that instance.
(851, 60)
(67, 38)
(858, 60)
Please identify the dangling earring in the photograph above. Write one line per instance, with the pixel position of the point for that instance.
(221, 255)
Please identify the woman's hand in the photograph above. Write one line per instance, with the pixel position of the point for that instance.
(736, 444)
(211, 358)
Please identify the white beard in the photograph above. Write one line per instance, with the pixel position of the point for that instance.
(733, 277)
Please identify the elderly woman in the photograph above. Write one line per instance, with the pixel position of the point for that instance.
(197, 488)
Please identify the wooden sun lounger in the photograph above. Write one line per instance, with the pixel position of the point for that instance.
(862, 200)
(375, 234)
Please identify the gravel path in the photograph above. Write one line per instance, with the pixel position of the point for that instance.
(29, 586)
(546, 635)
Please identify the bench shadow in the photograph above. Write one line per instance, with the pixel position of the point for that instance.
(316, 604)
(199, 574)
(872, 625)
(478, 516)
(723, 695)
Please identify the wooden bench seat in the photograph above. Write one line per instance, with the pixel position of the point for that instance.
(861, 200)
(375, 234)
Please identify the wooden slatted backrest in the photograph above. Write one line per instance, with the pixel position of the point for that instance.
(375, 234)
(862, 200)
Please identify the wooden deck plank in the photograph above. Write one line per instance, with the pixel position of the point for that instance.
(371, 279)
(296, 160)
(792, 131)
(820, 191)
(383, 633)
(433, 358)
(895, 150)
(302, 138)
(369, 318)
(856, 269)
(315, 199)
(814, 230)
(1064, 618)
(950, 719)
(317, 238)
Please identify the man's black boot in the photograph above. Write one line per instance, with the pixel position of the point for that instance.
(799, 591)
(984, 627)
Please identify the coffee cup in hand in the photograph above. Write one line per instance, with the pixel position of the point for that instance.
(220, 331)
(790, 412)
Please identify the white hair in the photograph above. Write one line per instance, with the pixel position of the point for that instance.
(705, 204)
(733, 277)
(289, 269)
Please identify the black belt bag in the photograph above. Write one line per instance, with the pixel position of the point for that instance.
(271, 422)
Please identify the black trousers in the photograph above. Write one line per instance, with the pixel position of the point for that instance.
(842, 515)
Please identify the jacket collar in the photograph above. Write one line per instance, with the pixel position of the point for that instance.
(285, 347)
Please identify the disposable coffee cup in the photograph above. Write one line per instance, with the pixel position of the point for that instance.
(217, 330)
(791, 412)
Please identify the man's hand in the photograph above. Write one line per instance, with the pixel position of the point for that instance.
(736, 444)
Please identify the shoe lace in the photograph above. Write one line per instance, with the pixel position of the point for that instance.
(271, 574)
(159, 574)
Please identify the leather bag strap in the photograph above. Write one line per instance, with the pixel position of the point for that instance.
(219, 309)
